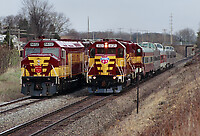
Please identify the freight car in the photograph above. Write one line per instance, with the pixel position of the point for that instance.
(51, 66)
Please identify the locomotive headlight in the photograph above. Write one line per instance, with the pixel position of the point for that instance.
(106, 45)
(114, 77)
(38, 62)
(94, 77)
(90, 77)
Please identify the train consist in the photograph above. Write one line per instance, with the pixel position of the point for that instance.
(52, 66)
(114, 64)
(108, 65)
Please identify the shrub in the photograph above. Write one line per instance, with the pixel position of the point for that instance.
(8, 58)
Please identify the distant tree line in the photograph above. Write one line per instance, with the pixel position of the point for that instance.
(184, 36)
(36, 18)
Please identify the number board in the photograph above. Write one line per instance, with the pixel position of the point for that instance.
(34, 44)
(49, 44)
(100, 45)
(112, 45)
(109, 45)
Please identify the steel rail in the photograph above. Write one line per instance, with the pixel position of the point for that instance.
(15, 101)
(23, 125)
(69, 116)
(26, 104)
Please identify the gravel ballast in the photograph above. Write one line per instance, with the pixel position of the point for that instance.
(100, 120)
(30, 112)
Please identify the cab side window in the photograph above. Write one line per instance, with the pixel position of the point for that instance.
(138, 52)
(120, 53)
(92, 52)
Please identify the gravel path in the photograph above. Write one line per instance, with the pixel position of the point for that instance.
(38, 109)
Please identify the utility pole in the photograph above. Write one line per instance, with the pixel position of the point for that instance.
(137, 36)
(130, 34)
(120, 32)
(88, 28)
(171, 23)
(164, 36)
(9, 37)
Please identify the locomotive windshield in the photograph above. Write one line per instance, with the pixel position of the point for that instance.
(111, 51)
(101, 51)
(31, 51)
(53, 51)
(106, 51)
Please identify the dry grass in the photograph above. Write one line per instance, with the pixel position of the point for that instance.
(8, 58)
(183, 116)
(183, 121)
(10, 85)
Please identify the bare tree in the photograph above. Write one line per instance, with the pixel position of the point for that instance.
(60, 22)
(38, 13)
(186, 35)
(9, 21)
(43, 19)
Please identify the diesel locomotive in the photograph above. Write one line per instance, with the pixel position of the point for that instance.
(52, 66)
(115, 64)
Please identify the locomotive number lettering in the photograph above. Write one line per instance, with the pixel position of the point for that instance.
(112, 45)
(34, 44)
(109, 45)
(100, 45)
(48, 44)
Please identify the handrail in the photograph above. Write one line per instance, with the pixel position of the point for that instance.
(88, 70)
(57, 77)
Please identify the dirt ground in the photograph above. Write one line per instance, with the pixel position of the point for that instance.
(173, 110)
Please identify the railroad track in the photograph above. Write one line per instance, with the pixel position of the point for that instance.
(68, 114)
(41, 124)
(17, 106)
(15, 101)
(183, 60)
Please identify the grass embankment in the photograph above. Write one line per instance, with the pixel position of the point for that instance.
(9, 74)
(183, 116)
(10, 85)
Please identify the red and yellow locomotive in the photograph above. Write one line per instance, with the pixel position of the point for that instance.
(113, 64)
(51, 66)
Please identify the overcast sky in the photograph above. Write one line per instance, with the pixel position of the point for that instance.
(145, 15)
